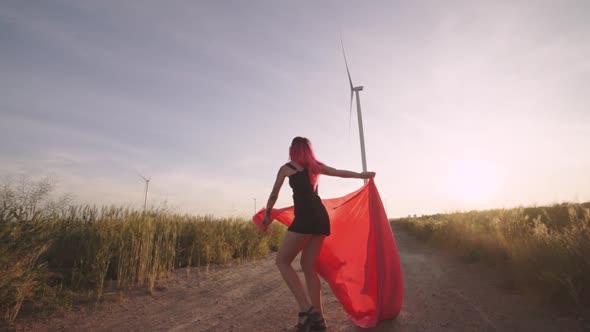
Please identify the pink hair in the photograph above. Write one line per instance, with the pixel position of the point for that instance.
(301, 152)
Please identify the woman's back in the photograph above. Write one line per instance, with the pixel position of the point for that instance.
(300, 182)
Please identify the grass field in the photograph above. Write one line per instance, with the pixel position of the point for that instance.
(53, 254)
(544, 250)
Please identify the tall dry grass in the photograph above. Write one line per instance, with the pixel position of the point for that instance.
(51, 253)
(545, 250)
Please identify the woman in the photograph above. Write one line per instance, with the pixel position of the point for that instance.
(308, 230)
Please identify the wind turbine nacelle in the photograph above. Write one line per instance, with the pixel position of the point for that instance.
(358, 88)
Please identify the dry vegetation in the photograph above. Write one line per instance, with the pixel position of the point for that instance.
(53, 254)
(544, 250)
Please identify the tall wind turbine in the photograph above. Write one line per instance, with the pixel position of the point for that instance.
(355, 91)
(147, 185)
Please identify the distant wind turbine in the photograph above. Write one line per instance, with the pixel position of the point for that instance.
(147, 185)
(355, 91)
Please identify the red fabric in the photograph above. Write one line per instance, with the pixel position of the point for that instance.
(359, 260)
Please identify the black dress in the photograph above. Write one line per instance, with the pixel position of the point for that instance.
(311, 216)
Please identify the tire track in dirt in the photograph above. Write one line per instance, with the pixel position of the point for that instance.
(440, 294)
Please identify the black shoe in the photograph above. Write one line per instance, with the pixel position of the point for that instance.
(304, 321)
(317, 322)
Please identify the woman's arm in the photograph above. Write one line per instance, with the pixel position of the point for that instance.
(327, 170)
(274, 195)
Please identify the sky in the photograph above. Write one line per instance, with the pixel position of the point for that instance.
(466, 104)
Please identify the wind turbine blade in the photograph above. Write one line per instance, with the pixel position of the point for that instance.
(141, 176)
(346, 63)
(350, 114)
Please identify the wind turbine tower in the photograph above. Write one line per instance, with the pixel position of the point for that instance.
(354, 91)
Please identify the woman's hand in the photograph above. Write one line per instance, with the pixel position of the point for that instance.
(367, 175)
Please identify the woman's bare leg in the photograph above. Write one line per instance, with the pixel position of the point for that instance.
(308, 258)
(292, 244)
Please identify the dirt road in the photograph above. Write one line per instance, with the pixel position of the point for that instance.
(441, 294)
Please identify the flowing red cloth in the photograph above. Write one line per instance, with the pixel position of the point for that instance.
(359, 260)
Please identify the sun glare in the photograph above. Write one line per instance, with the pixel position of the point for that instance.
(472, 183)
